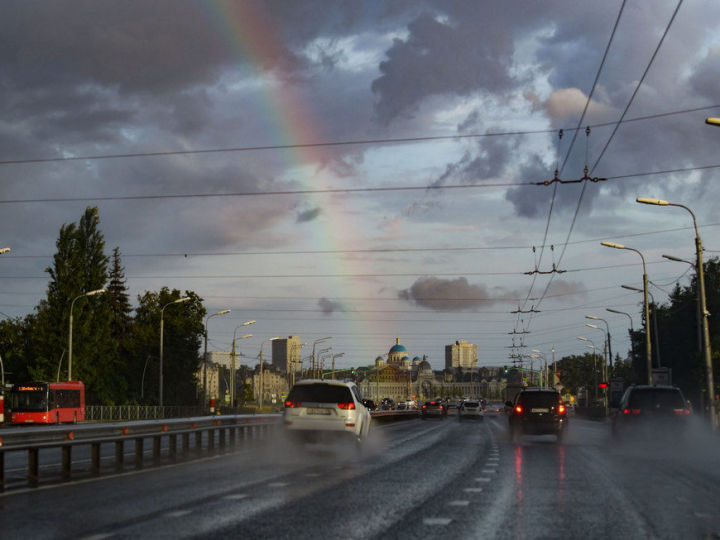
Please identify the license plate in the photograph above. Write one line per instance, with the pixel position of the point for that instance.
(539, 410)
(318, 411)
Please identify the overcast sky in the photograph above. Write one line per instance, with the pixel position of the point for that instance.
(264, 227)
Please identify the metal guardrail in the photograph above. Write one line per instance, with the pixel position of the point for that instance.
(188, 431)
(105, 413)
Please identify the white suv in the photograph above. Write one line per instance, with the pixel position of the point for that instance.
(319, 411)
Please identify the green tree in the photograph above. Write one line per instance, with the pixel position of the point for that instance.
(119, 300)
(183, 331)
(79, 266)
(576, 371)
(14, 342)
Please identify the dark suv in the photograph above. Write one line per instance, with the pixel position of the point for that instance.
(537, 411)
(648, 411)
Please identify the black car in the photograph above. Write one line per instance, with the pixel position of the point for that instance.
(387, 404)
(537, 411)
(369, 404)
(651, 411)
(434, 407)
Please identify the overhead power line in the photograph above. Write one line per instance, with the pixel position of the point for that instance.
(357, 142)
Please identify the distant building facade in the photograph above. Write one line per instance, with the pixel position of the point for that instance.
(461, 355)
(286, 354)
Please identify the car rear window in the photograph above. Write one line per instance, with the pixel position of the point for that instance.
(539, 399)
(320, 393)
(656, 398)
(472, 404)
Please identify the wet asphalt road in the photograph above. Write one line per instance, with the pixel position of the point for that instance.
(414, 479)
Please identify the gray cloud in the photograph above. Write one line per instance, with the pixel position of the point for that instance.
(328, 306)
(450, 294)
(308, 215)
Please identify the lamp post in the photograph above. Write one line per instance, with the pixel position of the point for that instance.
(312, 367)
(594, 349)
(223, 312)
(648, 348)
(609, 344)
(605, 348)
(656, 334)
(162, 325)
(320, 363)
(70, 332)
(232, 360)
(338, 355)
(707, 353)
(262, 381)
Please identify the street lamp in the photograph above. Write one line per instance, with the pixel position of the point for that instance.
(162, 313)
(72, 304)
(648, 348)
(594, 350)
(262, 381)
(707, 353)
(338, 355)
(232, 360)
(223, 312)
(609, 344)
(312, 367)
(321, 363)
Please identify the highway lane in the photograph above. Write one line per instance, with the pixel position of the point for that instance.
(414, 479)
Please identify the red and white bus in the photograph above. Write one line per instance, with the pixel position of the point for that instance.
(47, 403)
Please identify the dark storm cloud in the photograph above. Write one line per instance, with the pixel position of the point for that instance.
(328, 306)
(560, 287)
(308, 215)
(450, 294)
(427, 63)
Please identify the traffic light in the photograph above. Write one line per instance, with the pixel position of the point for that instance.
(602, 385)
(505, 368)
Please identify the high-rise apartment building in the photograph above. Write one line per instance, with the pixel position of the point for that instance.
(286, 354)
(461, 355)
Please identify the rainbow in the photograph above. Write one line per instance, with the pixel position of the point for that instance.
(250, 35)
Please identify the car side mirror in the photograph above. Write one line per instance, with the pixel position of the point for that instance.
(508, 404)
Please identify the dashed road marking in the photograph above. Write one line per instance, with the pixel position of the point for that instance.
(472, 490)
(278, 484)
(701, 515)
(482, 479)
(492, 465)
(489, 471)
(312, 475)
(458, 503)
(236, 497)
(178, 513)
(493, 458)
(436, 521)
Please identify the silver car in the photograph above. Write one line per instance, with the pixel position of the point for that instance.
(324, 411)
(470, 409)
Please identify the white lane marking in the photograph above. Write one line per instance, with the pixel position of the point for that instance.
(236, 497)
(177, 513)
(489, 471)
(701, 515)
(278, 484)
(437, 521)
(312, 475)
(492, 464)
(459, 503)
(493, 458)
(472, 490)
(482, 479)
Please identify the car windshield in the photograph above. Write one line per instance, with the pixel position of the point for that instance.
(320, 393)
(656, 398)
(539, 399)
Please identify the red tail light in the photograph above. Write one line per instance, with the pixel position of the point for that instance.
(347, 406)
(626, 411)
(291, 404)
(636, 411)
(561, 409)
(681, 412)
(518, 409)
(424, 406)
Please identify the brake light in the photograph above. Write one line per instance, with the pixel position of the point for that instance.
(681, 412)
(518, 409)
(626, 411)
(636, 411)
(347, 406)
(561, 409)
(291, 404)
(424, 406)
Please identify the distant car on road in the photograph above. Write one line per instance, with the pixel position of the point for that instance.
(470, 409)
(494, 409)
(324, 411)
(369, 404)
(537, 411)
(651, 411)
(435, 407)
(387, 404)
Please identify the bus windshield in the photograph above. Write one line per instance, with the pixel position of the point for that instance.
(29, 401)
